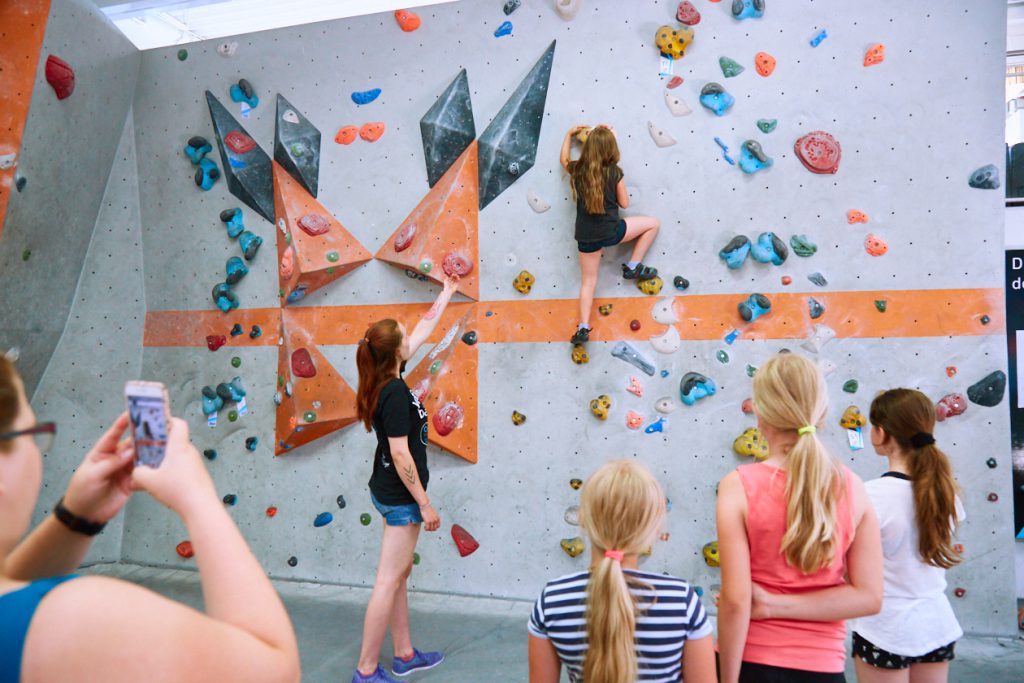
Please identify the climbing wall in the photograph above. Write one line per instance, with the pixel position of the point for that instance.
(912, 129)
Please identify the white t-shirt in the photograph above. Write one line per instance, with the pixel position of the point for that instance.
(916, 616)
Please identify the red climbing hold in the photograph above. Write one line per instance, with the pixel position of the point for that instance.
(634, 325)
(447, 418)
(404, 237)
(674, 82)
(407, 21)
(950, 371)
(271, 511)
(371, 132)
(302, 364)
(787, 280)
(60, 76)
(687, 14)
(747, 406)
(215, 341)
(950, 405)
(455, 263)
(464, 540)
(346, 135)
(314, 224)
(819, 152)
(239, 142)
(185, 549)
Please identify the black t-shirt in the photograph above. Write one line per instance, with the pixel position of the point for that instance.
(598, 227)
(398, 413)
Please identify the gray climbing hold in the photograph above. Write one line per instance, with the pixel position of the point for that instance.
(625, 351)
(989, 390)
(661, 138)
(985, 178)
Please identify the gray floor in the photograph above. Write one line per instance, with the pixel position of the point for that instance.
(484, 640)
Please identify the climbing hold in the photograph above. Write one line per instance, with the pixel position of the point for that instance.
(674, 82)
(435, 367)
(323, 519)
(676, 105)
(579, 354)
(371, 132)
(714, 97)
(660, 137)
(231, 391)
(753, 158)
(735, 252)
(573, 547)
(731, 337)
(255, 332)
(20, 183)
(224, 297)
(819, 152)
(993, 497)
(464, 541)
(767, 125)
(680, 283)
(769, 249)
(232, 219)
(673, 42)
(695, 386)
(60, 76)
(365, 519)
(751, 370)
(309, 416)
(625, 351)
(667, 342)
(197, 148)
(754, 307)
(988, 391)
(293, 561)
(725, 151)
(651, 286)
(314, 224)
(251, 443)
(215, 341)
(415, 558)
(635, 387)
(880, 305)
(605, 309)
(576, 484)
(341, 502)
(302, 364)
(518, 418)
(524, 282)
(854, 216)
(365, 96)
(568, 9)
(184, 549)
(665, 405)
(960, 592)
(985, 178)
(242, 91)
(634, 325)
(851, 386)
(818, 37)
(991, 462)
(455, 263)
(634, 420)
(469, 338)
(687, 14)
(182, 55)
(227, 49)
(818, 279)
(407, 21)
(536, 203)
(747, 9)
(210, 454)
(656, 427)
(874, 55)
(730, 67)
(236, 270)
(875, 245)
(747, 406)
(346, 135)
(206, 174)
(818, 338)
(710, 551)
(802, 246)
(511, 6)
(815, 308)
(271, 511)
(250, 244)
(722, 356)
(984, 320)
(950, 371)
(600, 406)
(852, 418)
(950, 405)
(663, 312)
(764, 63)
(572, 515)
(751, 443)
(787, 280)
(447, 418)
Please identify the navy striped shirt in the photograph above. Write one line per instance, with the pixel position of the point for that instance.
(667, 616)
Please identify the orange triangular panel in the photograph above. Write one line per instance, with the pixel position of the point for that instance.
(440, 235)
(446, 383)
(313, 399)
(314, 248)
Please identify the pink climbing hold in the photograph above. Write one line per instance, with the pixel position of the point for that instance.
(950, 405)
(687, 14)
(302, 364)
(314, 224)
(60, 76)
(464, 541)
(239, 142)
(455, 263)
(748, 406)
(634, 420)
(819, 152)
(404, 237)
(287, 263)
(447, 418)
(635, 387)
(674, 82)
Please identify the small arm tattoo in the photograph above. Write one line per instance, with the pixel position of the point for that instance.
(410, 475)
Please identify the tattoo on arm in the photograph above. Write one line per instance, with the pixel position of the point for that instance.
(410, 475)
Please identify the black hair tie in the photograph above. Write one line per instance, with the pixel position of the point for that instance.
(922, 439)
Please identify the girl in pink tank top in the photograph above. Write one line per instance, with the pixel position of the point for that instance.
(797, 524)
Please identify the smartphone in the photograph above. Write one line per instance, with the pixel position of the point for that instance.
(149, 414)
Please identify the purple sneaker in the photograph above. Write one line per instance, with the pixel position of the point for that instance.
(420, 661)
(378, 676)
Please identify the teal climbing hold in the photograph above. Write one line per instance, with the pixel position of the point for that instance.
(730, 67)
(767, 125)
(851, 386)
(802, 246)
(182, 55)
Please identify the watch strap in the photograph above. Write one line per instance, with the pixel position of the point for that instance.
(76, 523)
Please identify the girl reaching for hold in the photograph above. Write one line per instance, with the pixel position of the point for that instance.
(599, 190)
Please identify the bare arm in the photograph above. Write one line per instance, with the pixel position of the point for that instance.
(860, 596)
(734, 550)
(563, 156)
(545, 667)
(699, 661)
(406, 468)
(622, 194)
(425, 327)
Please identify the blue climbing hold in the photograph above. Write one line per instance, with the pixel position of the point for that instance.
(211, 402)
(230, 499)
(323, 519)
(504, 30)
(754, 307)
(820, 36)
(725, 151)
(656, 426)
(237, 330)
(753, 158)
(232, 219)
(985, 178)
(236, 270)
(680, 283)
(210, 454)
(207, 174)
(297, 295)
(250, 244)
(714, 97)
(366, 96)
(748, 9)
(735, 253)
(815, 308)
(231, 391)
(224, 297)
(695, 386)
(769, 249)
(664, 373)
(243, 92)
(256, 332)
(197, 148)
(251, 443)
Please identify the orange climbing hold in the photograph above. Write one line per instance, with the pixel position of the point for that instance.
(854, 216)
(407, 21)
(346, 135)
(371, 132)
(875, 245)
(874, 55)
(764, 63)
(271, 511)
(951, 371)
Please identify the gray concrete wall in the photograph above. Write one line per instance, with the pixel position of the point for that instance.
(912, 130)
(66, 156)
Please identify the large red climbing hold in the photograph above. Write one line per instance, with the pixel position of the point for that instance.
(464, 540)
(60, 76)
(687, 14)
(239, 142)
(455, 263)
(184, 549)
(314, 224)
(215, 341)
(950, 405)
(302, 364)
(404, 237)
(407, 21)
(819, 152)
(447, 418)
(371, 132)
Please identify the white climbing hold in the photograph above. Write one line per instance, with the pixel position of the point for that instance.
(676, 105)
(818, 338)
(665, 405)
(290, 116)
(568, 9)
(8, 161)
(669, 342)
(664, 311)
(827, 366)
(536, 203)
(660, 137)
(227, 49)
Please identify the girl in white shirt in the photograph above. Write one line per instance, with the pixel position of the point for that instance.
(913, 637)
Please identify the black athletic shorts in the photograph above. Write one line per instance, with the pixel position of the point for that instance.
(591, 247)
(871, 654)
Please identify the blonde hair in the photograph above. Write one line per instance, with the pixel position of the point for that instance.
(790, 393)
(622, 508)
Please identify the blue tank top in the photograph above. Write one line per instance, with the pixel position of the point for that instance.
(16, 611)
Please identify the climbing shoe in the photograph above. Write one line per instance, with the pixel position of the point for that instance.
(582, 336)
(641, 272)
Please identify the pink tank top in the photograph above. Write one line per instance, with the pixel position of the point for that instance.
(808, 645)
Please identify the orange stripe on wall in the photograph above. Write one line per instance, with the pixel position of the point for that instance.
(909, 313)
(22, 26)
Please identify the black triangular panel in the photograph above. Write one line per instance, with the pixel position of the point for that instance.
(447, 128)
(246, 166)
(297, 145)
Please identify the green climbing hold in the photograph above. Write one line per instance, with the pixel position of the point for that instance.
(751, 370)
(280, 292)
(415, 558)
(730, 67)
(435, 367)
(26, 254)
(333, 256)
(330, 271)
(365, 519)
(182, 55)
(880, 305)
(722, 356)
(802, 246)
(232, 415)
(767, 125)
(425, 266)
(309, 416)
(851, 386)
(236, 362)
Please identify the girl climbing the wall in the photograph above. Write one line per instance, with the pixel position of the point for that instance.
(614, 623)
(398, 485)
(598, 187)
(794, 523)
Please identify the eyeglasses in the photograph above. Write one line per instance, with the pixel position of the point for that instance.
(43, 434)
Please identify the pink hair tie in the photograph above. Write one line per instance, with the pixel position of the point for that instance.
(616, 555)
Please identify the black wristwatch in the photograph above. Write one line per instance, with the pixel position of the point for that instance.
(74, 522)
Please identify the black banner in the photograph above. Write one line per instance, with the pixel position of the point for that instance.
(1015, 327)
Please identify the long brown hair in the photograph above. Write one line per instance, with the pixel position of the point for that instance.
(790, 393)
(589, 175)
(10, 401)
(904, 413)
(621, 508)
(376, 357)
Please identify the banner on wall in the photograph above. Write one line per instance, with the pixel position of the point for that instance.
(1015, 343)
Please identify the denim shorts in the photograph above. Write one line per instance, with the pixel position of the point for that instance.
(591, 247)
(398, 515)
